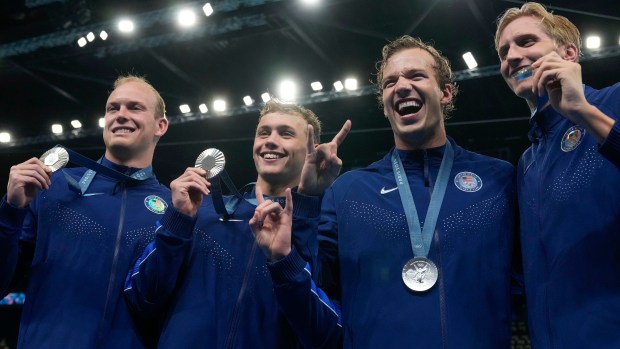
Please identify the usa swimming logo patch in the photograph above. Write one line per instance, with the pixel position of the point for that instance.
(468, 182)
(572, 138)
(155, 204)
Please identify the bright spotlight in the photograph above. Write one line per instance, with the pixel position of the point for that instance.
(219, 105)
(350, 84)
(103, 35)
(76, 123)
(57, 129)
(316, 86)
(248, 100)
(265, 97)
(203, 108)
(470, 60)
(101, 122)
(5, 137)
(593, 41)
(125, 26)
(90, 37)
(184, 108)
(288, 90)
(310, 2)
(207, 9)
(82, 42)
(338, 85)
(186, 18)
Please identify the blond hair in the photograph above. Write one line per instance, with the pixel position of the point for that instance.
(559, 28)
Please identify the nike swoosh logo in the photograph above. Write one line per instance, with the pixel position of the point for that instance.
(385, 191)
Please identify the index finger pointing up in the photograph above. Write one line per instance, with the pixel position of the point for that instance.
(342, 134)
(259, 194)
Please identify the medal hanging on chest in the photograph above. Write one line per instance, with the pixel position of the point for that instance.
(419, 273)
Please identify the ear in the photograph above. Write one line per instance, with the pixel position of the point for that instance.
(162, 126)
(446, 92)
(569, 52)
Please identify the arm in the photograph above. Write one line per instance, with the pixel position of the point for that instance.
(154, 276)
(315, 319)
(25, 182)
(11, 220)
(561, 79)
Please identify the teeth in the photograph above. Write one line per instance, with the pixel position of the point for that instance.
(123, 130)
(271, 156)
(406, 104)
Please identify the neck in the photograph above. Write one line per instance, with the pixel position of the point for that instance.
(135, 162)
(274, 189)
(421, 145)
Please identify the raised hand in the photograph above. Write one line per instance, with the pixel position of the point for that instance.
(272, 226)
(322, 164)
(25, 181)
(561, 80)
(188, 190)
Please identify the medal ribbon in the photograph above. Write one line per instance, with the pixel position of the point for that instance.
(421, 237)
(95, 167)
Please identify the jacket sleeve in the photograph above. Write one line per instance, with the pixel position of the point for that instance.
(151, 282)
(16, 255)
(610, 105)
(313, 316)
(610, 148)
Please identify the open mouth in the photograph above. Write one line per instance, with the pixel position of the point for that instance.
(122, 130)
(409, 107)
(271, 155)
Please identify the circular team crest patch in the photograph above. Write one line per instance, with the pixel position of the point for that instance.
(155, 204)
(468, 181)
(572, 138)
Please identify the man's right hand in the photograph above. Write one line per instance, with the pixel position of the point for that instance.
(25, 181)
(188, 190)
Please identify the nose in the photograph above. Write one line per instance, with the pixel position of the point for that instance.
(513, 57)
(402, 87)
(272, 140)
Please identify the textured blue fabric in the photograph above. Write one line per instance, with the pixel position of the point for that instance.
(364, 244)
(570, 227)
(82, 247)
(224, 295)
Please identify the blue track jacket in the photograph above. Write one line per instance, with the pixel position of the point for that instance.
(213, 282)
(569, 200)
(75, 251)
(364, 243)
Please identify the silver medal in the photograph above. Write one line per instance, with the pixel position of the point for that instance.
(420, 274)
(211, 160)
(55, 158)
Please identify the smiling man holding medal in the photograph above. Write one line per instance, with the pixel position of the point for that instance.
(416, 248)
(567, 180)
(205, 270)
(73, 233)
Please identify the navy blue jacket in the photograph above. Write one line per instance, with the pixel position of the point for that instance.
(75, 251)
(569, 201)
(364, 242)
(213, 282)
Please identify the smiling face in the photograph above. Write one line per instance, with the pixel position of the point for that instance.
(522, 42)
(413, 100)
(131, 128)
(280, 147)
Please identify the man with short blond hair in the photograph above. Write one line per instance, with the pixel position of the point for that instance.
(73, 233)
(567, 183)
